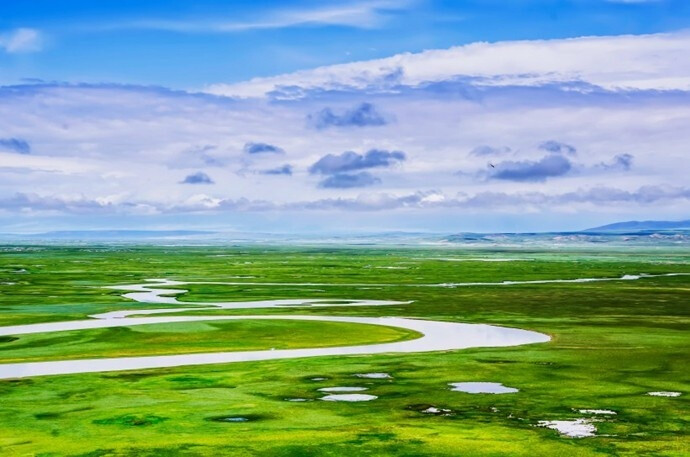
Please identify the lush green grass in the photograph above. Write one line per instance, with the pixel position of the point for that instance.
(612, 343)
(193, 337)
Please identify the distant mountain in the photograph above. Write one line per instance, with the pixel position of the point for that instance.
(642, 225)
(117, 234)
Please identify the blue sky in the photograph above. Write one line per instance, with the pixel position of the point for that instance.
(185, 45)
(346, 115)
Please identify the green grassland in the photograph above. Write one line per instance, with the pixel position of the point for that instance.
(611, 343)
(192, 337)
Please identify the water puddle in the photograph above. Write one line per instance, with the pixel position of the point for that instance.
(435, 410)
(597, 411)
(236, 418)
(482, 388)
(349, 397)
(484, 259)
(426, 408)
(577, 428)
(374, 376)
(342, 389)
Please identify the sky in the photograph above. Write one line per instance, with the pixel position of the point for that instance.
(343, 116)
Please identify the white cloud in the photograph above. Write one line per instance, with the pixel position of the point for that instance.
(659, 61)
(582, 199)
(359, 14)
(99, 148)
(21, 40)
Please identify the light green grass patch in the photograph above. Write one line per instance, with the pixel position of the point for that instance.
(194, 337)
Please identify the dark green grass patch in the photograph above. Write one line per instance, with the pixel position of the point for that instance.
(131, 420)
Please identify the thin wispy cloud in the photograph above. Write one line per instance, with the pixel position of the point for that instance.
(21, 40)
(285, 170)
(358, 14)
(486, 150)
(606, 196)
(350, 161)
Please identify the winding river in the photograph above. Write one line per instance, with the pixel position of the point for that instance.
(436, 335)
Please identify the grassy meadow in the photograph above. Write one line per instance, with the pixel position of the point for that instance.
(612, 342)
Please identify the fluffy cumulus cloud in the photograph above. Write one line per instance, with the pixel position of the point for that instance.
(530, 170)
(559, 162)
(262, 148)
(362, 115)
(556, 119)
(619, 162)
(557, 147)
(341, 166)
(349, 180)
(17, 145)
(197, 178)
(350, 161)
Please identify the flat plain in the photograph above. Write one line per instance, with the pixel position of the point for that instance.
(612, 343)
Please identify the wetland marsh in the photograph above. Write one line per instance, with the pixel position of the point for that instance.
(614, 327)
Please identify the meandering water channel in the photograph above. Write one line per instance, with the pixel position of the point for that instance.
(436, 335)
